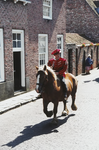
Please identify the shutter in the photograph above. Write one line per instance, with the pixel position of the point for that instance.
(1, 56)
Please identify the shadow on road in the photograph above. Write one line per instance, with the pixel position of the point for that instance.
(87, 81)
(97, 80)
(44, 127)
(84, 74)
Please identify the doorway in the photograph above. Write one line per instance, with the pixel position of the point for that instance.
(18, 60)
(76, 61)
(70, 61)
(17, 71)
(97, 64)
(83, 62)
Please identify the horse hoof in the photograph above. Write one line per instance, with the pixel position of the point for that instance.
(74, 107)
(49, 114)
(54, 121)
(64, 113)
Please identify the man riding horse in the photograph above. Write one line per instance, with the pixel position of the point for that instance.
(59, 65)
(51, 88)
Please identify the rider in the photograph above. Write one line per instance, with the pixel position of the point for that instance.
(60, 66)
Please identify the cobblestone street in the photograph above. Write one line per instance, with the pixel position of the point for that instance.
(27, 127)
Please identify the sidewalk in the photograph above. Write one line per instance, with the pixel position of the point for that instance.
(19, 100)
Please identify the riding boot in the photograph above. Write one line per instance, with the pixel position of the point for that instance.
(65, 90)
(39, 96)
(64, 87)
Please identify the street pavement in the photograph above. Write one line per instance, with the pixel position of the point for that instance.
(22, 99)
(28, 128)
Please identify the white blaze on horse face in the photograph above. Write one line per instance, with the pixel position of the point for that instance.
(37, 83)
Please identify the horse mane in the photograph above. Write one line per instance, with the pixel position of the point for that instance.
(51, 71)
(48, 71)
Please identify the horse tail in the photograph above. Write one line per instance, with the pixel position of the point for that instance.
(75, 84)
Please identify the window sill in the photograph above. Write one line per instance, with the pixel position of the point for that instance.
(47, 18)
(24, 1)
(1, 81)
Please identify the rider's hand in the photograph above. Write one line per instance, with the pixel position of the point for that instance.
(57, 73)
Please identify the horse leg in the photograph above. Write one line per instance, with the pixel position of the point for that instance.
(48, 113)
(65, 111)
(54, 121)
(73, 106)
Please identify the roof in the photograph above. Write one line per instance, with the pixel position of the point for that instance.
(96, 3)
(92, 5)
(74, 38)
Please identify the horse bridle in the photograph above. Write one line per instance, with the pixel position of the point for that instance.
(41, 84)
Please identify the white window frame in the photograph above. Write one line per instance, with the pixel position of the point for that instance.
(46, 49)
(1, 56)
(48, 17)
(60, 36)
(22, 55)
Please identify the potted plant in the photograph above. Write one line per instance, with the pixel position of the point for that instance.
(91, 44)
(97, 44)
(83, 45)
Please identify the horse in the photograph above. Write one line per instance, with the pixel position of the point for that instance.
(50, 87)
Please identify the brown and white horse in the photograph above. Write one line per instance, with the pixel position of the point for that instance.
(51, 89)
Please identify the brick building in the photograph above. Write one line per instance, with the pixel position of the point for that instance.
(82, 24)
(82, 18)
(29, 31)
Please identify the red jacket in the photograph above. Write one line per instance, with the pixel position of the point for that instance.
(59, 65)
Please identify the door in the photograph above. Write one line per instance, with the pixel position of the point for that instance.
(83, 62)
(1, 56)
(17, 71)
(70, 61)
(18, 60)
(76, 62)
(97, 65)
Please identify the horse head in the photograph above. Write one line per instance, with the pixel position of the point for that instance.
(42, 79)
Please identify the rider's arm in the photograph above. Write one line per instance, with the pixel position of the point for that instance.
(50, 62)
(63, 70)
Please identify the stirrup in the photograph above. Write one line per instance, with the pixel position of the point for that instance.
(65, 95)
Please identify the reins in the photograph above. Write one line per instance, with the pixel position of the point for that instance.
(41, 85)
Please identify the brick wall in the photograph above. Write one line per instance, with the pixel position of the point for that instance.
(79, 55)
(38, 25)
(82, 19)
(30, 19)
(13, 16)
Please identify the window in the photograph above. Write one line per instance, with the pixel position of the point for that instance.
(43, 49)
(60, 43)
(47, 9)
(17, 36)
(1, 57)
(16, 40)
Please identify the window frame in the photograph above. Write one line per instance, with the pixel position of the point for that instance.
(46, 52)
(17, 40)
(48, 17)
(2, 56)
(16, 49)
(60, 36)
